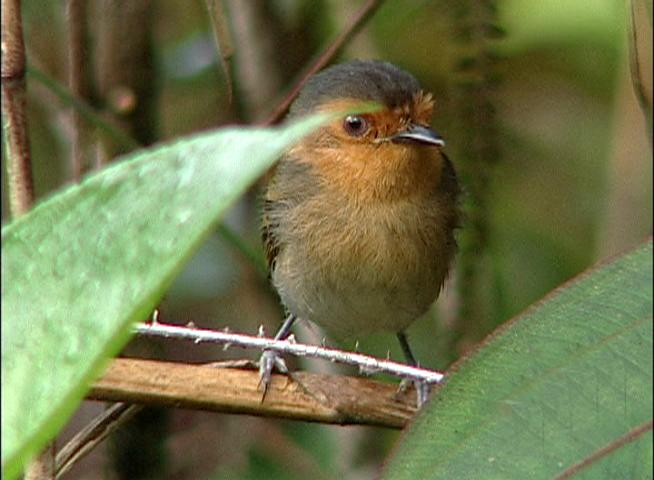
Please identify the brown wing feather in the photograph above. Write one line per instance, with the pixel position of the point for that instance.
(270, 241)
(290, 184)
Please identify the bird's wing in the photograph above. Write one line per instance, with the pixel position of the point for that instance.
(450, 187)
(271, 243)
(289, 186)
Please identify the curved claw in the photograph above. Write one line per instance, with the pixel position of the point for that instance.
(269, 360)
(422, 390)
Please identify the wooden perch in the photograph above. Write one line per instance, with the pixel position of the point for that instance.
(306, 396)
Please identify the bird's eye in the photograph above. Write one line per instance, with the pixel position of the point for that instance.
(355, 126)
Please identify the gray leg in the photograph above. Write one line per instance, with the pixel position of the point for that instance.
(270, 359)
(422, 388)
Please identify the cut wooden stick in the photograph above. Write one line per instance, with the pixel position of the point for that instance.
(305, 396)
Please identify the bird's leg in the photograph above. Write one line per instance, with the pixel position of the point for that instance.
(422, 388)
(271, 359)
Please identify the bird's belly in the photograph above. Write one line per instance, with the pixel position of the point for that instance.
(356, 275)
(359, 310)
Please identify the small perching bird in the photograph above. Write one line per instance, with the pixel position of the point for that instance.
(359, 218)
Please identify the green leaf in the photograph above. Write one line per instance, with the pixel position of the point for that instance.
(81, 267)
(560, 382)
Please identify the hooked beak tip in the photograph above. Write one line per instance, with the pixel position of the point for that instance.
(420, 135)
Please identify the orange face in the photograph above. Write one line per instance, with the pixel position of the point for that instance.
(379, 124)
(357, 154)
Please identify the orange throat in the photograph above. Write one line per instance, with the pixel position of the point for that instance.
(379, 173)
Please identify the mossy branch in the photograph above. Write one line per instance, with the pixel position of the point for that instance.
(479, 152)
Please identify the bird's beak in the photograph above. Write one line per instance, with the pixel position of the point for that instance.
(418, 134)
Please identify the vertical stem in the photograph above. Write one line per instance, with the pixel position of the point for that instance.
(78, 82)
(125, 74)
(256, 36)
(14, 131)
(223, 38)
(479, 152)
(14, 125)
(640, 31)
(43, 467)
(127, 88)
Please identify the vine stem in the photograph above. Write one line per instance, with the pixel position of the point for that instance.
(362, 16)
(365, 363)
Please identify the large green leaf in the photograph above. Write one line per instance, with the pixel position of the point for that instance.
(81, 267)
(564, 380)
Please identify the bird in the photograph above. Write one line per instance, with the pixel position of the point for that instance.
(359, 218)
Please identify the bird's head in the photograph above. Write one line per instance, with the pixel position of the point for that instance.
(384, 147)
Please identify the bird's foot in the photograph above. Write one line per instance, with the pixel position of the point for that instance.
(269, 360)
(422, 390)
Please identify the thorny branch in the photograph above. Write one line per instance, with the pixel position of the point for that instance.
(302, 396)
(366, 363)
(230, 387)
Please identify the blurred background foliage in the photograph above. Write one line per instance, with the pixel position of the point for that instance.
(569, 182)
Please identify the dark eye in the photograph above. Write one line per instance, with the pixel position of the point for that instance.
(355, 125)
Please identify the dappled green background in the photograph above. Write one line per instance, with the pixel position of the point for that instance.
(571, 185)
